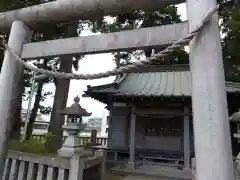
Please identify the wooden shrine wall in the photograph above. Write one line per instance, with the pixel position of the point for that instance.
(169, 138)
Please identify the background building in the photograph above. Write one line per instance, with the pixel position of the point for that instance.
(92, 123)
(40, 125)
(105, 123)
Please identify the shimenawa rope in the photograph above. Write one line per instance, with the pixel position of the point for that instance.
(121, 70)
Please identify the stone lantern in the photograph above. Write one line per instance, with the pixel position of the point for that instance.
(73, 126)
(236, 117)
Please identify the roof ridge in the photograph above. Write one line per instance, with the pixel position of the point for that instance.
(158, 68)
(134, 84)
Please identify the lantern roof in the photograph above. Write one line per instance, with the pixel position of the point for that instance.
(75, 109)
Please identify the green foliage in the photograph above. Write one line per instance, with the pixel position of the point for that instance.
(230, 27)
(30, 146)
(6, 5)
(86, 144)
(141, 19)
(49, 135)
(41, 33)
(36, 144)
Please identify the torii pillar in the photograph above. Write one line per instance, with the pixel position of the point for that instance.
(11, 74)
(210, 115)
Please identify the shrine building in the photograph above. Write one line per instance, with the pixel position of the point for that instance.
(151, 113)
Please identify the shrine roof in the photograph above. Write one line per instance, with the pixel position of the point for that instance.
(161, 81)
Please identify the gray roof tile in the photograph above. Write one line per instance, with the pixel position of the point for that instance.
(165, 83)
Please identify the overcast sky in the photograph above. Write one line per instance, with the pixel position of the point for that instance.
(92, 64)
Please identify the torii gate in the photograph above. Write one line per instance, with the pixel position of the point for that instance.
(211, 126)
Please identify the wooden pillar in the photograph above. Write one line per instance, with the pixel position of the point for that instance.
(131, 162)
(93, 137)
(109, 143)
(186, 139)
(210, 115)
(103, 154)
(10, 77)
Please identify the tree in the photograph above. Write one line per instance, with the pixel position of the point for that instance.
(61, 92)
(141, 19)
(230, 27)
(36, 105)
(128, 21)
(125, 21)
(16, 118)
(62, 86)
(54, 31)
(60, 100)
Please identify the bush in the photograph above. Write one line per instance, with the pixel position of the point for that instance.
(30, 146)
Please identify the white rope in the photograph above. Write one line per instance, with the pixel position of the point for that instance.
(121, 70)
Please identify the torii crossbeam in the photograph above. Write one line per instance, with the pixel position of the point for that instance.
(66, 10)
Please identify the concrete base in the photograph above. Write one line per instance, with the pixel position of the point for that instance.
(187, 170)
(69, 152)
(131, 166)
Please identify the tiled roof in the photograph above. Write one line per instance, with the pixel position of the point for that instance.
(164, 83)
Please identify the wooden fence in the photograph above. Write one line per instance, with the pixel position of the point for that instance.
(82, 139)
(25, 166)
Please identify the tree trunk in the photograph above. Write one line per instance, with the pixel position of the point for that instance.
(60, 100)
(36, 105)
(34, 110)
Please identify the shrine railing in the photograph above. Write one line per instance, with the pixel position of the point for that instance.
(25, 166)
(82, 139)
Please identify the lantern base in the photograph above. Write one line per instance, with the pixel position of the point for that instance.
(71, 146)
(69, 152)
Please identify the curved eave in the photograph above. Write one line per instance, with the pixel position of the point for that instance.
(103, 97)
(174, 82)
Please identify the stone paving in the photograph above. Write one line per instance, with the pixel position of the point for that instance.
(142, 178)
(152, 172)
